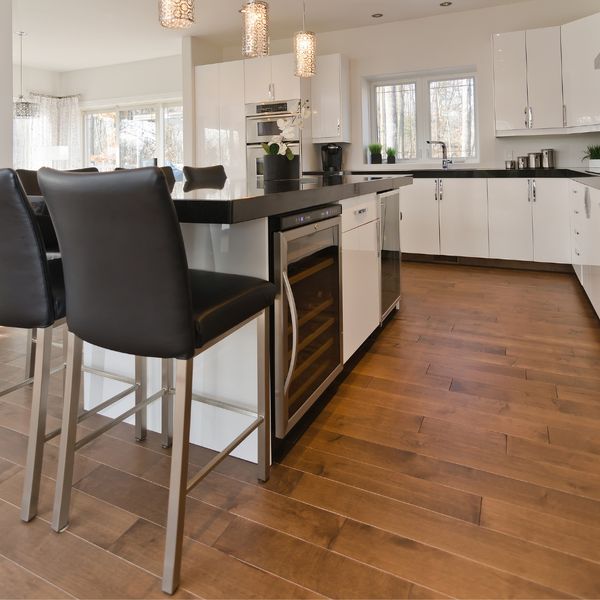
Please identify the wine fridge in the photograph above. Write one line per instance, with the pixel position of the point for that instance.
(308, 311)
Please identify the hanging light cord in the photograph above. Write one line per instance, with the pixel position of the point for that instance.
(21, 33)
(303, 15)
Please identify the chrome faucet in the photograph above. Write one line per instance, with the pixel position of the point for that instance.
(446, 162)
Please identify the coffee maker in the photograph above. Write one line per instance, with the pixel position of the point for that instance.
(331, 156)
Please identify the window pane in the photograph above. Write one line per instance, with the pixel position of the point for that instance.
(397, 118)
(174, 139)
(137, 137)
(453, 116)
(101, 136)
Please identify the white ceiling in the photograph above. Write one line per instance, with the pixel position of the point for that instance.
(63, 35)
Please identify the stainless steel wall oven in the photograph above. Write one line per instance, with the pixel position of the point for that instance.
(308, 311)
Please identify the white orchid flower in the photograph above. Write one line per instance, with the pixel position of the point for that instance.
(283, 123)
(288, 133)
(305, 113)
(277, 139)
(282, 149)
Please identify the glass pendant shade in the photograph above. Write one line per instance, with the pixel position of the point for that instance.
(25, 109)
(305, 49)
(256, 29)
(176, 14)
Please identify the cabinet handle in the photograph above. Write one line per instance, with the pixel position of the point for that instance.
(339, 127)
(564, 115)
(577, 252)
(534, 189)
(530, 118)
(587, 204)
(577, 232)
(526, 117)
(271, 91)
(361, 211)
(441, 189)
(294, 314)
(576, 212)
(529, 190)
(437, 189)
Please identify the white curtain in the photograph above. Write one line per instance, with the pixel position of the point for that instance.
(53, 138)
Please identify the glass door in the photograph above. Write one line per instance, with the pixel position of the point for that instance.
(389, 214)
(308, 339)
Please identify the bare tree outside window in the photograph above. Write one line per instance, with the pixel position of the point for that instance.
(452, 106)
(397, 118)
(101, 135)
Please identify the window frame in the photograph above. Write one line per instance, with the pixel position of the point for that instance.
(423, 111)
(159, 108)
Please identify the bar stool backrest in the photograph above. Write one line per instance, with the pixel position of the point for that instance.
(197, 178)
(126, 273)
(26, 298)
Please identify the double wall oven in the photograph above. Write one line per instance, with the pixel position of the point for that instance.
(261, 126)
(308, 310)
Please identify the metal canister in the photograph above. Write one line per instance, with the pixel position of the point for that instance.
(535, 160)
(523, 162)
(510, 165)
(548, 158)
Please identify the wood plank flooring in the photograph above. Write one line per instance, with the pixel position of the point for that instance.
(461, 458)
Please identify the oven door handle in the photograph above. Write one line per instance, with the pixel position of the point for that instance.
(294, 314)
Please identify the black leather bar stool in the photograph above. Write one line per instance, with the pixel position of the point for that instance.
(129, 289)
(33, 297)
(197, 178)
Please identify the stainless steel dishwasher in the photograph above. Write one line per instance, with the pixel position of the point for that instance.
(307, 315)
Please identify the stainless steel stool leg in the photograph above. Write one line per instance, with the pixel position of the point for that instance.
(30, 356)
(168, 383)
(179, 471)
(264, 396)
(66, 454)
(140, 396)
(37, 426)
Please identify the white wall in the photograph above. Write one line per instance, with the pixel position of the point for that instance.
(6, 97)
(450, 41)
(155, 79)
(36, 80)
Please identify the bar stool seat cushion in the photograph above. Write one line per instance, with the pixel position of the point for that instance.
(221, 301)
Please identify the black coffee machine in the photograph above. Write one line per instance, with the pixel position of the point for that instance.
(331, 155)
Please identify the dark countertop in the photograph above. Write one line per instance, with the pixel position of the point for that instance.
(232, 203)
(456, 172)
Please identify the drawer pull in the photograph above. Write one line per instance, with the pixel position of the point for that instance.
(361, 211)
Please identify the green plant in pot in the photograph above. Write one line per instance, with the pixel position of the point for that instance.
(391, 156)
(592, 153)
(280, 162)
(375, 151)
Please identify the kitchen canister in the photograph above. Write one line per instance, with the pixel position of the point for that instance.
(535, 160)
(510, 165)
(548, 158)
(523, 162)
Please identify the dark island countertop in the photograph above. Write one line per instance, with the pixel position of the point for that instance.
(232, 203)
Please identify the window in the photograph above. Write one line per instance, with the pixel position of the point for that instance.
(134, 137)
(407, 113)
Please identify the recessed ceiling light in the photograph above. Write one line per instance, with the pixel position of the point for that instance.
(445, 4)
(377, 15)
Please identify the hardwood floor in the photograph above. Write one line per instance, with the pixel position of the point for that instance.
(461, 458)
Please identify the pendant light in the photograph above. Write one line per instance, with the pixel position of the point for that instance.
(176, 14)
(256, 29)
(305, 49)
(23, 108)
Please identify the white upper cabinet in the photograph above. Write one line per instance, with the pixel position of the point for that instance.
(464, 217)
(330, 100)
(510, 81)
(208, 146)
(420, 225)
(581, 71)
(551, 220)
(511, 228)
(544, 78)
(528, 80)
(271, 78)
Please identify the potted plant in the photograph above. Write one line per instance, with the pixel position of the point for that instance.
(592, 153)
(391, 156)
(280, 162)
(375, 150)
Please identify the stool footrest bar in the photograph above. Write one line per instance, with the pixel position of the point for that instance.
(108, 375)
(224, 405)
(194, 481)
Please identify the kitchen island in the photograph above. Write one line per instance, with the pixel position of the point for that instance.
(227, 231)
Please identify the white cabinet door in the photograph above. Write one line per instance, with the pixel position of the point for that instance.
(330, 100)
(591, 267)
(360, 281)
(581, 70)
(510, 221)
(207, 116)
(551, 220)
(544, 77)
(232, 130)
(510, 80)
(258, 80)
(420, 226)
(464, 218)
(286, 86)
(579, 226)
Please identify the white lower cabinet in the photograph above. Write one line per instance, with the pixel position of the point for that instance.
(463, 217)
(551, 221)
(591, 246)
(360, 271)
(511, 229)
(579, 225)
(420, 226)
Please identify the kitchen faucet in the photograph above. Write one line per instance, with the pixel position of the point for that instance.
(446, 162)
